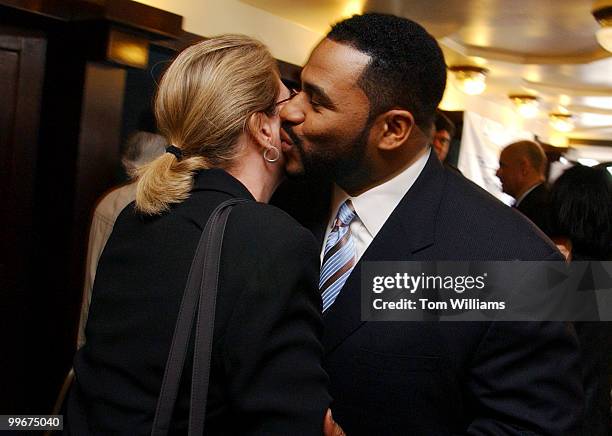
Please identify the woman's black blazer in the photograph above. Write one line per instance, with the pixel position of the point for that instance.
(266, 375)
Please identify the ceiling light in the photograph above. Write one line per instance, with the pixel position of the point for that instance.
(469, 79)
(561, 122)
(562, 110)
(603, 15)
(526, 105)
(565, 100)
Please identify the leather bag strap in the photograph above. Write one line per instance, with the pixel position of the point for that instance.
(199, 298)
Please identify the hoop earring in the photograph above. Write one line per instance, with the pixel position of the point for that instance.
(277, 157)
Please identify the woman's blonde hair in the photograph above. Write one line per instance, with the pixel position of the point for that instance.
(203, 105)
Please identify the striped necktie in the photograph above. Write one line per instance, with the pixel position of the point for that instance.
(339, 257)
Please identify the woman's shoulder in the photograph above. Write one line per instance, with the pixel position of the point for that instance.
(266, 221)
(265, 215)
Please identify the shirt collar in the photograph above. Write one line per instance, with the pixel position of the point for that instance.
(374, 206)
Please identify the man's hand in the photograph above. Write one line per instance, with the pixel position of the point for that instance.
(330, 428)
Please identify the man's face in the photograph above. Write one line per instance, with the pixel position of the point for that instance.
(441, 144)
(510, 173)
(327, 121)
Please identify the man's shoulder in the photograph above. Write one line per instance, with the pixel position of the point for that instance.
(470, 213)
(539, 196)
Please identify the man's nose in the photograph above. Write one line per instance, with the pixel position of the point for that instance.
(498, 173)
(291, 111)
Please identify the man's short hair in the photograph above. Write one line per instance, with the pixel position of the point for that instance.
(442, 122)
(406, 70)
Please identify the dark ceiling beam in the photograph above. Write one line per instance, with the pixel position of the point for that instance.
(586, 141)
(155, 22)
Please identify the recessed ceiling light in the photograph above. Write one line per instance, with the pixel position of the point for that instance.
(561, 122)
(526, 105)
(470, 79)
(603, 15)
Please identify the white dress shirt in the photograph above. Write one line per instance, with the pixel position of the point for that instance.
(374, 206)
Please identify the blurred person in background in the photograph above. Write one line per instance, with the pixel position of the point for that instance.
(581, 225)
(581, 212)
(442, 137)
(444, 131)
(140, 148)
(522, 168)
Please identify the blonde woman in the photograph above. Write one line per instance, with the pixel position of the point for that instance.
(217, 105)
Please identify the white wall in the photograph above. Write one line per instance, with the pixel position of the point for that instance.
(287, 40)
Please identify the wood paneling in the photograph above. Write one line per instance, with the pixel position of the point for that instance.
(99, 150)
(21, 73)
(22, 57)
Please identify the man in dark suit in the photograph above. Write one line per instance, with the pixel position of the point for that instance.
(522, 166)
(369, 93)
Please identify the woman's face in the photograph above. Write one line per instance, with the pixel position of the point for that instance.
(283, 98)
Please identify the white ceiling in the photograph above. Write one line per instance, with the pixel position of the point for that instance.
(544, 47)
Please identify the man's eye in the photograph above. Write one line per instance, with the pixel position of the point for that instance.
(315, 104)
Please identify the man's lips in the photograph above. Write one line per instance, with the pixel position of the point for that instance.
(286, 142)
(285, 137)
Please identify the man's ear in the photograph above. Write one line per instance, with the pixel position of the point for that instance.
(395, 126)
(260, 129)
(525, 166)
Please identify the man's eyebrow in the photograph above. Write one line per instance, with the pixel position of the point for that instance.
(319, 93)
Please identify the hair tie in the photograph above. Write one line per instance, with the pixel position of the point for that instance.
(173, 149)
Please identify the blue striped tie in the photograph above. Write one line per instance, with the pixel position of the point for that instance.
(339, 257)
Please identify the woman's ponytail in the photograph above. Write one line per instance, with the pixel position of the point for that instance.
(165, 181)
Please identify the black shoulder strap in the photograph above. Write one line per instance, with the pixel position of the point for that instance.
(201, 293)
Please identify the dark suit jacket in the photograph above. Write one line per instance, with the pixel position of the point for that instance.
(427, 378)
(536, 205)
(266, 375)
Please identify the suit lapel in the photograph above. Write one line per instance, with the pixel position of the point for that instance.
(319, 233)
(409, 229)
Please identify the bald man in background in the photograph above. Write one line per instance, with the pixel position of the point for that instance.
(522, 167)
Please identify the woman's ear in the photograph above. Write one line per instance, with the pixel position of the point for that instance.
(395, 128)
(260, 129)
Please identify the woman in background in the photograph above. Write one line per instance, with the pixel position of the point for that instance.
(582, 212)
(581, 207)
(217, 105)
